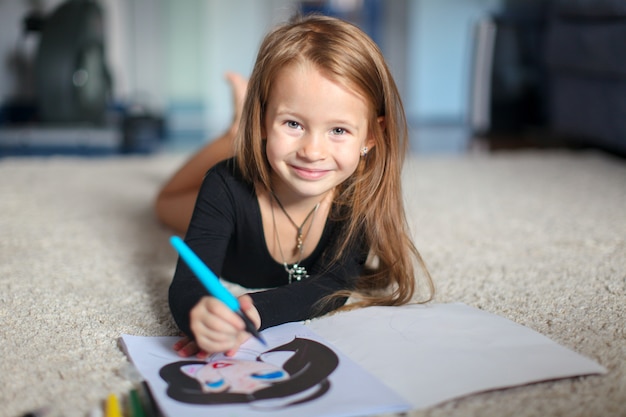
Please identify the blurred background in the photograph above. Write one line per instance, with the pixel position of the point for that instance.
(139, 76)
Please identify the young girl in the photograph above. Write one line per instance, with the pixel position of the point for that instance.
(313, 191)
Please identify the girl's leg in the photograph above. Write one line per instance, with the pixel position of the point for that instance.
(176, 199)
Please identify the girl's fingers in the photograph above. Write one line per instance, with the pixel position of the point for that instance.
(248, 308)
(215, 309)
(187, 347)
(216, 328)
(181, 343)
(213, 345)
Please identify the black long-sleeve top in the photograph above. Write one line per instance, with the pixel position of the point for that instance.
(226, 232)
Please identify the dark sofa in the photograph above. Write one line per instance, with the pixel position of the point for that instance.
(585, 55)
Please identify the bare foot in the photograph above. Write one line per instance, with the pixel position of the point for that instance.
(238, 85)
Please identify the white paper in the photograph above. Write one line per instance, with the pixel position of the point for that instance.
(433, 353)
(352, 392)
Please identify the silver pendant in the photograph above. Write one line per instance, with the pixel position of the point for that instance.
(296, 273)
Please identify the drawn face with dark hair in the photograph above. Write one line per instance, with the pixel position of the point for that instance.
(237, 376)
(293, 373)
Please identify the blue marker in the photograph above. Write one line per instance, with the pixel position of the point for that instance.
(212, 283)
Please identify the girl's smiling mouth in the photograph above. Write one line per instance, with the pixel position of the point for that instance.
(309, 173)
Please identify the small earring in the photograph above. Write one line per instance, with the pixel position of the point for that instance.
(363, 151)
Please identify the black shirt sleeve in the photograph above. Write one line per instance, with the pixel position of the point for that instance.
(210, 229)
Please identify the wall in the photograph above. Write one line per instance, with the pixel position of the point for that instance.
(234, 32)
(170, 56)
(440, 39)
(180, 55)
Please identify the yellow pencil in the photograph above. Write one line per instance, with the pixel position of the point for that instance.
(113, 407)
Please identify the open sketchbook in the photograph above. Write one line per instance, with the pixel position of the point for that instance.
(437, 352)
(368, 361)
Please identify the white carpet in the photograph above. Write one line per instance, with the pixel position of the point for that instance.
(537, 237)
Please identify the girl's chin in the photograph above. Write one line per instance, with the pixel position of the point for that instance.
(308, 190)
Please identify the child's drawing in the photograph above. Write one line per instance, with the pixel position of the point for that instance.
(293, 373)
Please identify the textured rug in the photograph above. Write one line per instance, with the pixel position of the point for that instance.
(536, 237)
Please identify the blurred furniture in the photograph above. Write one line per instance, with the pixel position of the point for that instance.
(586, 61)
(551, 73)
(73, 112)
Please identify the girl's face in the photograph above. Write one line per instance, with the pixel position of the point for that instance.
(315, 130)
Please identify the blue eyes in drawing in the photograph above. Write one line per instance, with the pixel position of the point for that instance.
(235, 376)
(269, 376)
(215, 384)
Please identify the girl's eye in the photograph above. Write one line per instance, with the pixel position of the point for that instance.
(338, 131)
(269, 375)
(293, 125)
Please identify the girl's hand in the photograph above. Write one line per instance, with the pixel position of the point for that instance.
(186, 347)
(217, 328)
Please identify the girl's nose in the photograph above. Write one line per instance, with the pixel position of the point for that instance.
(313, 147)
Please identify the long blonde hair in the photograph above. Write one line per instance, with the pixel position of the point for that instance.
(371, 199)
